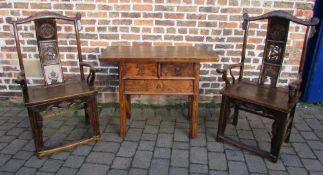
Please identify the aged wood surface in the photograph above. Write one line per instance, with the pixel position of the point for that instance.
(56, 93)
(158, 54)
(263, 97)
(159, 70)
(180, 87)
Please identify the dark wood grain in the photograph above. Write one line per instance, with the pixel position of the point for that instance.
(264, 98)
(59, 92)
(41, 100)
(158, 71)
(176, 87)
(158, 54)
(142, 70)
(177, 70)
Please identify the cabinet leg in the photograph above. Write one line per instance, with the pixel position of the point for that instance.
(189, 107)
(128, 106)
(195, 101)
(122, 103)
(123, 114)
(194, 116)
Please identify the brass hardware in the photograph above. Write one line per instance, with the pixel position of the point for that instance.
(141, 69)
(177, 71)
(158, 86)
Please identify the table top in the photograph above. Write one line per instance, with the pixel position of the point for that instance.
(158, 54)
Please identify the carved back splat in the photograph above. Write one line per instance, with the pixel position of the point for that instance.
(46, 34)
(276, 40)
(47, 41)
(278, 104)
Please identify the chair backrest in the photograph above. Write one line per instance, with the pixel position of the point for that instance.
(47, 42)
(275, 43)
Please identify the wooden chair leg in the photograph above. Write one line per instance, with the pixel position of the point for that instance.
(235, 116)
(94, 118)
(289, 129)
(36, 123)
(278, 136)
(222, 118)
(86, 112)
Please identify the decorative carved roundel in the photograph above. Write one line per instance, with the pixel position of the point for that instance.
(46, 31)
(277, 32)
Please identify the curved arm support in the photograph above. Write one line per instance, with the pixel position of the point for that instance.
(21, 80)
(224, 72)
(91, 77)
(294, 90)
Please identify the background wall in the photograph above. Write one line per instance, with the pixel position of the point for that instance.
(147, 22)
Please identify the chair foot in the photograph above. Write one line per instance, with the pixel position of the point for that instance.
(218, 139)
(287, 138)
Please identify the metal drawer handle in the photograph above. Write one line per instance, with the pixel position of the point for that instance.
(158, 86)
(177, 71)
(141, 69)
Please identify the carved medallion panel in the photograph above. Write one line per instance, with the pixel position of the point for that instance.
(46, 29)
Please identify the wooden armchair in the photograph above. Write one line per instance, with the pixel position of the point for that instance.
(56, 93)
(276, 103)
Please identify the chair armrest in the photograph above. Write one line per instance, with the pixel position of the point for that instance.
(91, 77)
(294, 90)
(224, 72)
(20, 78)
(92, 68)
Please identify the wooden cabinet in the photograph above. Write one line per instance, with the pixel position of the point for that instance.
(158, 71)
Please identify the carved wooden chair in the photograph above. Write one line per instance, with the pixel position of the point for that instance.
(264, 98)
(57, 92)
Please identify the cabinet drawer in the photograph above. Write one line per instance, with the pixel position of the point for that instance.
(132, 70)
(159, 87)
(177, 70)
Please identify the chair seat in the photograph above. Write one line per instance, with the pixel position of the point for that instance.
(58, 92)
(273, 98)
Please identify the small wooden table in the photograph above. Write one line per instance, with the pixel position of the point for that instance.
(159, 70)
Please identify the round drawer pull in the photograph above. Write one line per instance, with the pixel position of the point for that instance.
(158, 86)
(141, 69)
(177, 71)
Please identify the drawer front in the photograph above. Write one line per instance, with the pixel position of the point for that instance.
(140, 70)
(177, 70)
(159, 87)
